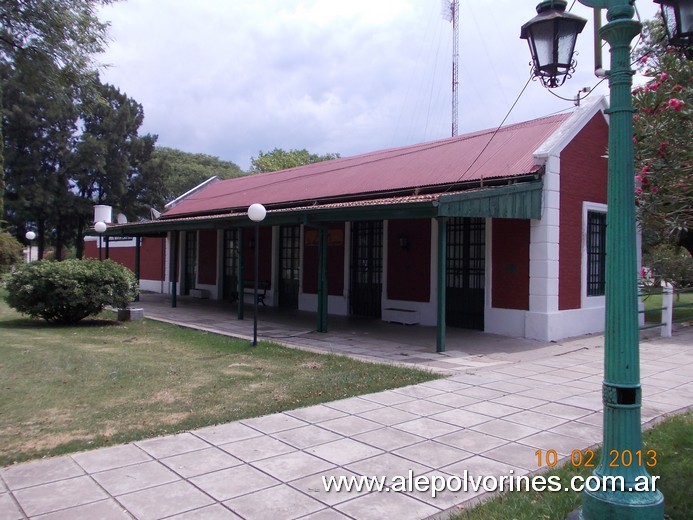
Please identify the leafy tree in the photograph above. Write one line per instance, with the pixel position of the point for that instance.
(112, 164)
(183, 171)
(64, 34)
(39, 125)
(279, 159)
(671, 263)
(10, 251)
(664, 150)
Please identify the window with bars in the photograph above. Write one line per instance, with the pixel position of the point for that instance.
(230, 252)
(596, 253)
(231, 264)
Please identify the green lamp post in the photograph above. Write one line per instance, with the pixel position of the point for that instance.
(551, 36)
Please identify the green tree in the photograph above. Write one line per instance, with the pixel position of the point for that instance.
(279, 159)
(62, 33)
(10, 251)
(183, 171)
(39, 125)
(112, 164)
(664, 150)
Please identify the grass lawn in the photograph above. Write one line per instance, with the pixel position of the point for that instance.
(653, 306)
(673, 442)
(65, 389)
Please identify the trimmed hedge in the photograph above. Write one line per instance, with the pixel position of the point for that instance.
(68, 291)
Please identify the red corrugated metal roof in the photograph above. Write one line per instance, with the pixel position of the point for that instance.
(481, 155)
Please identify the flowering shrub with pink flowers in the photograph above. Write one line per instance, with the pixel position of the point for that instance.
(663, 125)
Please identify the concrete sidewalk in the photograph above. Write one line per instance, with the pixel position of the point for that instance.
(486, 420)
(362, 338)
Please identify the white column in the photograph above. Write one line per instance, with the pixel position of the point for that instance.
(543, 257)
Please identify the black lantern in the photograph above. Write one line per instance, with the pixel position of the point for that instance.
(678, 20)
(551, 36)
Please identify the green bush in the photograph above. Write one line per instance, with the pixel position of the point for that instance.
(11, 251)
(66, 292)
(671, 263)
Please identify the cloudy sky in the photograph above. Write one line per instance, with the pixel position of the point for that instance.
(232, 77)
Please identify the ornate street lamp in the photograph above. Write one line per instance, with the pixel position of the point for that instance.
(30, 236)
(256, 213)
(621, 391)
(100, 228)
(678, 20)
(551, 36)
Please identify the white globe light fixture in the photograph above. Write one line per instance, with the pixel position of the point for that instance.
(100, 227)
(256, 213)
(30, 236)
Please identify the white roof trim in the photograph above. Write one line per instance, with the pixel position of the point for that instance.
(570, 128)
(177, 200)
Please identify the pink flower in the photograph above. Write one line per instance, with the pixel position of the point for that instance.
(645, 170)
(638, 178)
(663, 77)
(638, 191)
(654, 189)
(662, 149)
(676, 104)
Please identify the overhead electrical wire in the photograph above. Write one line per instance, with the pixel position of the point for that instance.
(493, 135)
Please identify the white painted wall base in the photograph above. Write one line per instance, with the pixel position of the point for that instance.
(336, 305)
(555, 326)
(155, 286)
(544, 326)
(212, 291)
(426, 311)
(403, 316)
(505, 322)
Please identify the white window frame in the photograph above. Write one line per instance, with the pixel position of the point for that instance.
(589, 301)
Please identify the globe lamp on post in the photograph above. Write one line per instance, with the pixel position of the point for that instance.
(100, 228)
(550, 44)
(256, 213)
(30, 236)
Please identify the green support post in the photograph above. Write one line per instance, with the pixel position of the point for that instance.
(138, 253)
(442, 256)
(322, 279)
(174, 270)
(621, 392)
(240, 309)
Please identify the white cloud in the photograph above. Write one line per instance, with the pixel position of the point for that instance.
(231, 78)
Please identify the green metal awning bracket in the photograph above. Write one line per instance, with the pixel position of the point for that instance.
(521, 200)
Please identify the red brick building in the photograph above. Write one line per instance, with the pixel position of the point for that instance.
(499, 230)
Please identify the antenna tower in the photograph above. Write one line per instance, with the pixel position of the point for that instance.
(451, 13)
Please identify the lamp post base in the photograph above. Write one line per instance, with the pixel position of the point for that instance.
(641, 505)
